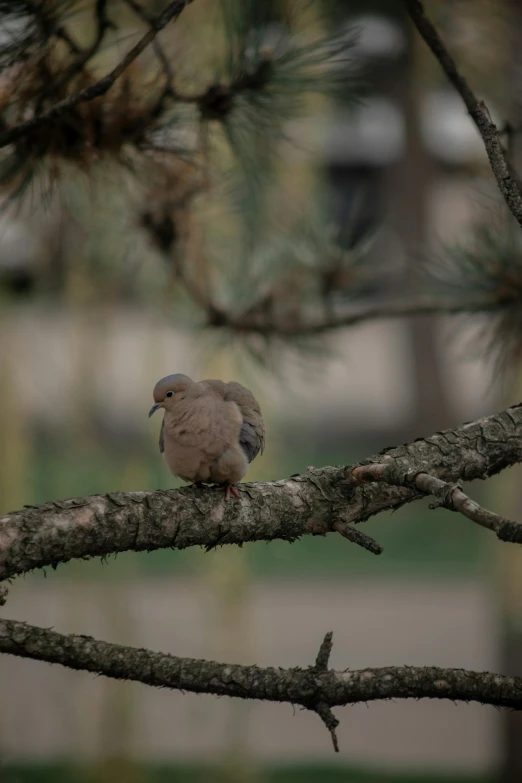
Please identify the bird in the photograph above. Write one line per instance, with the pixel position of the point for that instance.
(211, 430)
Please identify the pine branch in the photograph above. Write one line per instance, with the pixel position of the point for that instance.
(478, 110)
(317, 688)
(171, 12)
(168, 90)
(102, 25)
(315, 503)
(449, 496)
(248, 324)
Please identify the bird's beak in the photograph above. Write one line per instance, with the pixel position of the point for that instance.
(155, 408)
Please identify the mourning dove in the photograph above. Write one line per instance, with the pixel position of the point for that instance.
(211, 430)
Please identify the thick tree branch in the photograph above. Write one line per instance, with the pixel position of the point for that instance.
(317, 689)
(315, 503)
(477, 109)
(171, 12)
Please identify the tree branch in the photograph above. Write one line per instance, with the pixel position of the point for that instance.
(315, 503)
(315, 689)
(102, 25)
(477, 109)
(171, 12)
(450, 496)
(372, 311)
(168, 90)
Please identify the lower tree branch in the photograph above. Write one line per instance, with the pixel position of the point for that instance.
(315, 503)
(317, 688)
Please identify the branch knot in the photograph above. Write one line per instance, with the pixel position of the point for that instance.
(317, 703)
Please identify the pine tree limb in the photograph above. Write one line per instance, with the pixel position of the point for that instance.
(306, 687)
(477, 109)
(314, 503)
(220, 318)
(449, 496)
(100, 87)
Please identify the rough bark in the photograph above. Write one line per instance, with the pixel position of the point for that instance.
(449, 496)
(309, 687)
(314, 503)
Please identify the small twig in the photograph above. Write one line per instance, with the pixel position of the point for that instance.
(168, 89)
(102, 25)
(477, 109)
(356, 537)
(49, 26)
(145, 16)
(323, 656)
(330, 721)
(142, 12)
(453, 498)
(61, 32)
(102, 86)
(322, 708)
(376, 471)
(450, 496)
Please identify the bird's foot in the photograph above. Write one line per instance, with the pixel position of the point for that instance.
(230, 488)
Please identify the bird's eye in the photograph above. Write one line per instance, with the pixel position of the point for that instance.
(169, 394)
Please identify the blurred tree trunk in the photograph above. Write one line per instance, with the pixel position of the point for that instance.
(408, 187)
(510, 566)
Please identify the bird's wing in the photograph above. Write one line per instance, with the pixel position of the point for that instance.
(162, 438)
(251, 441)
(252, 434)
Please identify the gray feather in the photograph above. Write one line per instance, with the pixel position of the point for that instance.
(161, 439)
(249, 441)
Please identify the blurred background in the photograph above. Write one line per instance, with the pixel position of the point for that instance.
(110, 270)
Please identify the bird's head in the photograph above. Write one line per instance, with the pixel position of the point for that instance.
(168, 391)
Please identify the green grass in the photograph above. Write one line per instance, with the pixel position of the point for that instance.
(62, 773)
